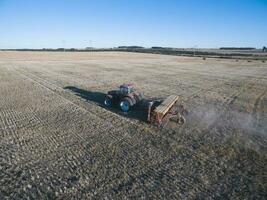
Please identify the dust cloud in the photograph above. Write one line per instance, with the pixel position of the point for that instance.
(218, 116)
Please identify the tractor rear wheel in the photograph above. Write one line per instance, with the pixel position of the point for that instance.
(125, 104)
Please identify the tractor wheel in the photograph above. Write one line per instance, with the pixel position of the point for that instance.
(125, 104)
(108, 101)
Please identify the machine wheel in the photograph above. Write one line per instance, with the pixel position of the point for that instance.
(108, 101)
(181, 120)
(125, 104)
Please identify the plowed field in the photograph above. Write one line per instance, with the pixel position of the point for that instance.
(58, 140)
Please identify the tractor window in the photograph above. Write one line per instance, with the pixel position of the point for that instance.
(124, 90)
(130, 90)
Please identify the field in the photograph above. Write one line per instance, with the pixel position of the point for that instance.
(58, 140)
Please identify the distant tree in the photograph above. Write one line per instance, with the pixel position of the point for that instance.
(130, 47)
(157, 47)
(60, 49)
(237, 48)
(164, 48)
(264, 49)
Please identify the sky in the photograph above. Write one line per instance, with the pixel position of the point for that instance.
(111, 23)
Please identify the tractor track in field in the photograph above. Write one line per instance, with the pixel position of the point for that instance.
(258, 108)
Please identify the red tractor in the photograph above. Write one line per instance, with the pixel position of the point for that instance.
(126, 97)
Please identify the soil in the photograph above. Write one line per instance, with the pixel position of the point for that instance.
(58, 140)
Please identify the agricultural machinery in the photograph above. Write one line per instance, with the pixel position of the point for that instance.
(158, 111)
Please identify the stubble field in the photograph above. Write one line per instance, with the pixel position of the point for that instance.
(57, 140)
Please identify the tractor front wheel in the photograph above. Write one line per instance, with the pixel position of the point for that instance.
(108, 101)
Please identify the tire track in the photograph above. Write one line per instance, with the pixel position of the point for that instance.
(258, 108)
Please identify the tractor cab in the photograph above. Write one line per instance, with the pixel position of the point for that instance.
(126, 89)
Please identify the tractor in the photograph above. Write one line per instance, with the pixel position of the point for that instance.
(126, 96)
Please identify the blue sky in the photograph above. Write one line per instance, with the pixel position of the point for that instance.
(109, 23)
